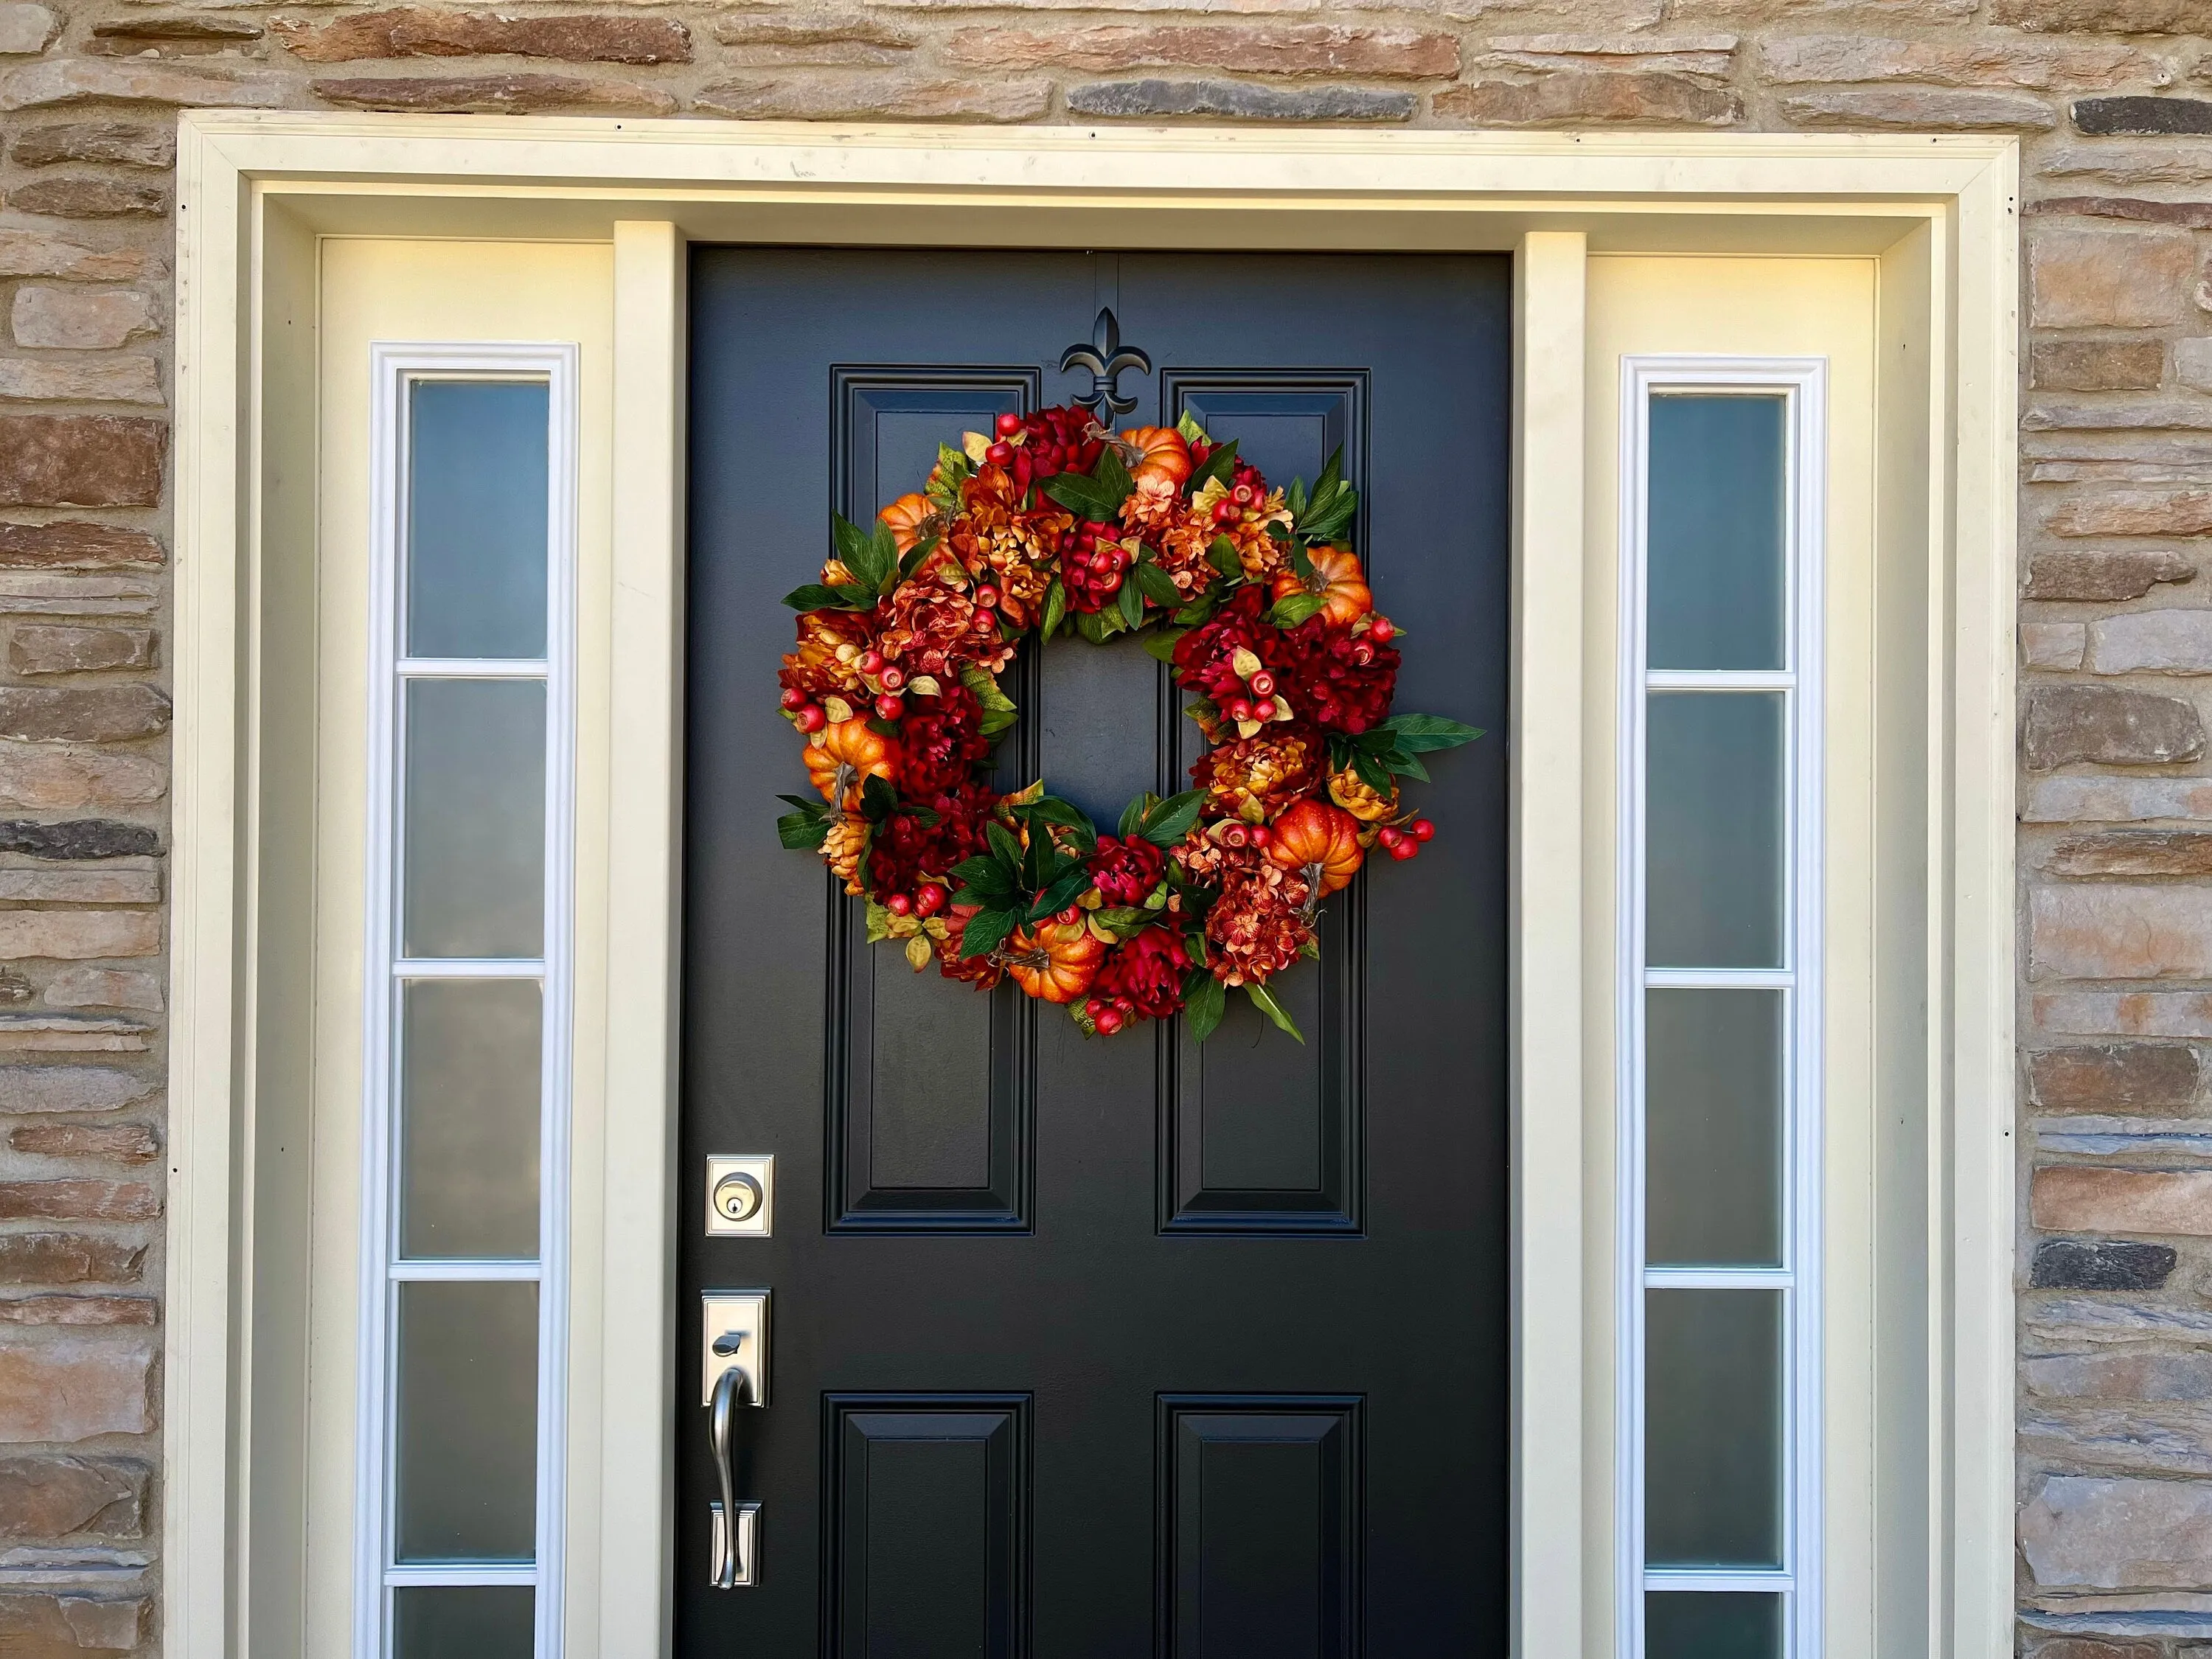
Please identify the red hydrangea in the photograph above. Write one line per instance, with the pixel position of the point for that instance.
(1334, 678)
(1203, 657)
(904, 850)
(1125, 872)
(1062, 438)
(941, 741)
(1146, 972)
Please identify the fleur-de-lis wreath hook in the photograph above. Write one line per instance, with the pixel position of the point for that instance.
(1106, 357)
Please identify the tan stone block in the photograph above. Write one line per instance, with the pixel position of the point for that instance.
(73, 1390)
(2119, 932)
(84, 1311)
(134, 81)
(42, 593)
(88, 714)
(2080, 799)
(57, 1034)
(1710, 55)
(2104, 724)
(890, 98)
(1922, 108)
(2085, 1198)
(425, 32)
(69, 1259)
(1995, 62)
(121, 881)
(497, 95)
(819, 38)
(75, 935)
(2143, 1375)
(2102, 577)
(1571, 98)
(40, 253)
(80, 460)
(2124, 164)
(2106, 16)
(2132, 853)
(27, 29)
(104, 987)
(71, 319)
(2089, 1647)
(122, 142)
(2138, 418)
(1281, 49)
(27, 1089)
(40, 1625)
(2162, 642)
(48, 1498)
(76, 196)
(2109, 1078)
(2134, 512)
(116, 1142)
(88, 380)
(2052, 644)
(34, 649)
(189, 36)
(64, 779)
(2110, 279)
(78, 1200)
(2097, 365)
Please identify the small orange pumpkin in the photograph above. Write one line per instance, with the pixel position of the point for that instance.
(856, 750)
(1340, 581)
(1313, 835)
(906, 516)
(1160, 454)
(1054, 962)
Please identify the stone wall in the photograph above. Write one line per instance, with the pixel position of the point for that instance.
(2113, 99)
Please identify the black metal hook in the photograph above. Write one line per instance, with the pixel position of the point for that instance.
(1106, 357)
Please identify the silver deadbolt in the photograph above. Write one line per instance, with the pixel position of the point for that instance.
(740, 1196)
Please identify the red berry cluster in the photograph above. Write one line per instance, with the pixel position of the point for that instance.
(1053, 441)
(1092, 560)
(1405, 843)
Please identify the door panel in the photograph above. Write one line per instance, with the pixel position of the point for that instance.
(1121, 1347)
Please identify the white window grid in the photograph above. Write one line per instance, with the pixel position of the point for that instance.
(1802, 384)
(395, 369)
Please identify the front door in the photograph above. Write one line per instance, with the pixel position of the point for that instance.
(1094, 1349)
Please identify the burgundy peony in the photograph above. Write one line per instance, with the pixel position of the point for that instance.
(1125, 872)
(1339, 680)
(904, 850)
(1146, 972)
(941, 741)
(1203, 657)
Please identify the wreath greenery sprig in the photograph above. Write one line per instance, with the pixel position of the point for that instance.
(1052, 524)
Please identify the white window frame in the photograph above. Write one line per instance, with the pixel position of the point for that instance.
(396, 367)
(1802, 383)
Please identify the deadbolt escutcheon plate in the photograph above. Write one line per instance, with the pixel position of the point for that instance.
(740, 1196)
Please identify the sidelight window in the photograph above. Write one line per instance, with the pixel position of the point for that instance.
(1719, 1009)
(467, 969)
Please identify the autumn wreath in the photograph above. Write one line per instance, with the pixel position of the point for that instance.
(1053, 524)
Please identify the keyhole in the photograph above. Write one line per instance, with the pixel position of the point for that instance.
(737, 1197)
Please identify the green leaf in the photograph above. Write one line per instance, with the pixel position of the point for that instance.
(1204, 1001)
(879, 922)
(1086, 498)
(879, 800)
(1092, 625)
(1061, 894)
(1332, 475)
(954, 463)
(1218, 465)
(985, 878)
(1112, 478)
(1197, 611)
(1295, 498)
(1302, 563)
(1406, 766)
(1264, 1000)
(1055, 609)
(848, 541)
(883, 728)
(1129, 600)
(1162, 643)
(1051, 809)
(1372, 772)
(883, 552)
(1193, 433)
(1123, 920)
(1169, 821)
(807, 804)
(1294, 607)
(814, 596)
(920, 551)
(999, 710)
(1007, 846)
(1221, 553)
(1133, 815)
(986, 931)
(873, 560)
(1159, 586)
(797, 830)
(1417, 733)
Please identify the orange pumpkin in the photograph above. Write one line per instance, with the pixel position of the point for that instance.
(1160, 454)
(1055, 962)
(1313, 835)
(906, 516)
(1337, 578)
(852, 748)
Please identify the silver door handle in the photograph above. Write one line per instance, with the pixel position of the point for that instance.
(734, 1551)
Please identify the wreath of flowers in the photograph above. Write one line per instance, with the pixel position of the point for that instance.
(1053, 523)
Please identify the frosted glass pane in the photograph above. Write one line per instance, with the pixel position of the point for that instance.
(477, 473)
(472, 1621)
(1712, 1428)
(1711, 1625)
(467, 1422)
(1713, 1117)
(1716, 550)
(1714, 793)
(475, 853)
(469, 1119)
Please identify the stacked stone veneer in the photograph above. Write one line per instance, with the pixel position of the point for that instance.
(2113, 99)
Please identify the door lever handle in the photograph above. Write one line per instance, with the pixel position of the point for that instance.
(735, 1340)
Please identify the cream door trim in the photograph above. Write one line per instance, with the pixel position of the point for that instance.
(1939, 216)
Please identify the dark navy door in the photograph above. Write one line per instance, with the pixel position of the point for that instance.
(1108, 1349)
